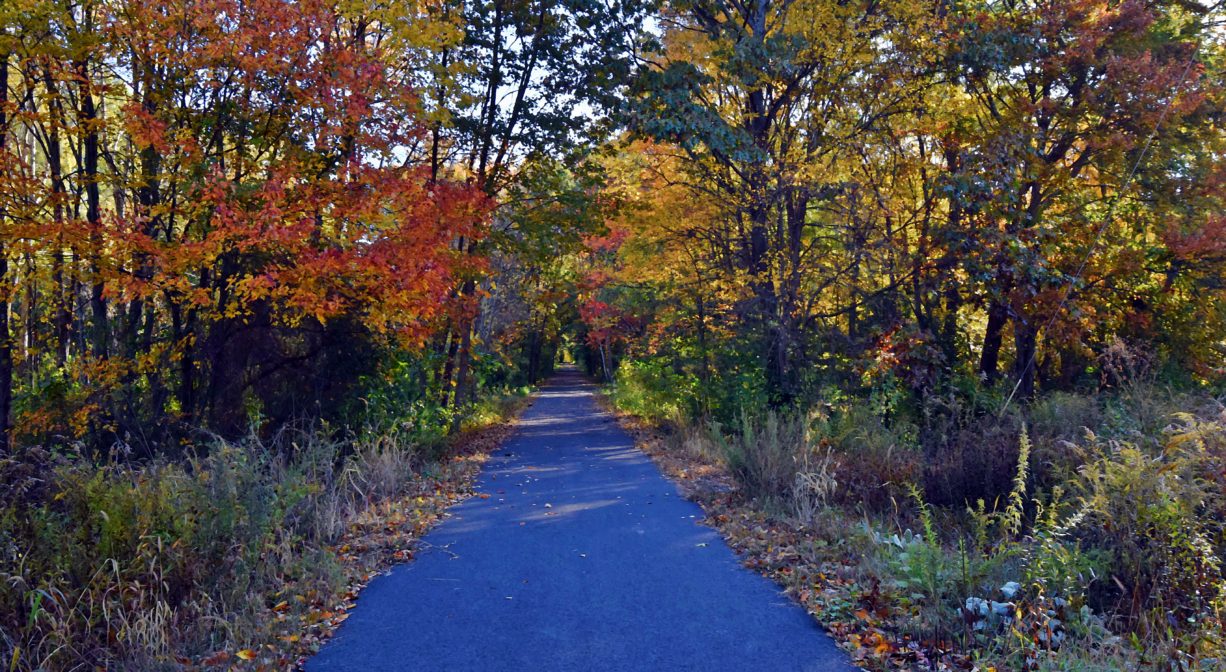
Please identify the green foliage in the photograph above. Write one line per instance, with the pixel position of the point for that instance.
(927, 576)
(1056, 565)
(404, 400)
(653, 390)
(1015, 509)
(496, 407)
(395, 400)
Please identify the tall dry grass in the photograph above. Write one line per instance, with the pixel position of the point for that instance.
(144, 566)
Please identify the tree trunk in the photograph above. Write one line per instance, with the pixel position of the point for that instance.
(704, 353)
(949, 328)
(765, 299)
(1072, 367)
(88, 114)
(29, 318)
(463, 358)
(6, 343)
(604, 364)
(62, 316)
(534, 355)
(989, 359)
(463, 365)
(1025, 337)
(445, 380)
(953, 297)
(181, 326)
(149, 196)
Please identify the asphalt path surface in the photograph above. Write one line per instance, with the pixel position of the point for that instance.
(584, 557)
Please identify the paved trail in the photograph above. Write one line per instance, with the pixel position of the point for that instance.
(583, 558)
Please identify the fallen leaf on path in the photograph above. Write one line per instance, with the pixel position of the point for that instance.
(217, 658)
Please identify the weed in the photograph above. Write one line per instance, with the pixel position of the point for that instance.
(138, 565)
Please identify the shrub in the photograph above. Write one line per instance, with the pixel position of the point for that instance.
(652, 390)
(126, 566)
(769, 454)
(1057, 422)
(875, 462)
(699, 442)
(1076, 533)
(495, 408)
(1063, 415)
(815, 484)
(1158, 518)
(973, 462)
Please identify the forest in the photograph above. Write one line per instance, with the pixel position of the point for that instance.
(940, 286)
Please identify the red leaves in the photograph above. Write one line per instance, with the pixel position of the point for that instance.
(331, 224)
(259, 167)
(145, 129)
(609, 242)
(1205, 243)
(606, 323)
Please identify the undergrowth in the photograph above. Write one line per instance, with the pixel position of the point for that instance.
(1081, 533)
(224, 557)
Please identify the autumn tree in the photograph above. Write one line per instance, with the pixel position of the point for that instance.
(927, 189)
(216, 204)
(536, 84)
(1067, 99)
(769, 100)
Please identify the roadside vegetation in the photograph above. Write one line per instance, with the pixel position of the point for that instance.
(272, 277)
(1084, 532)
(244, 552)
(940, 292)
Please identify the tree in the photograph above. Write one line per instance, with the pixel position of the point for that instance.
(261, 214)
(767, 99)
(1067, 97)
(535, 80)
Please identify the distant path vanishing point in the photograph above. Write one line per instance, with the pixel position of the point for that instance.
(584, 557)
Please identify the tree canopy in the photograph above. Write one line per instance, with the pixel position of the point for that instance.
(228, 218)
